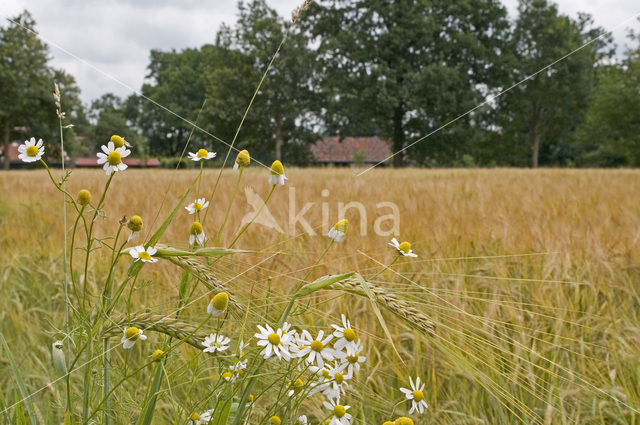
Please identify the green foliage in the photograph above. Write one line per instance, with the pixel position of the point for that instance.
(610, 135)
(539, 117)
(275, 126)
(26, 86)
(176, 84)
(402, 69)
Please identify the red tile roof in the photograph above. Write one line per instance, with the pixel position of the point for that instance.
(336, 150)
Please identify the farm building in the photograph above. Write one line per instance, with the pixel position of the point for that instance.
(350, 150)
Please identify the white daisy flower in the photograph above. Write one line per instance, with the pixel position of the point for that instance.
(339, 415)
(316, 350)
(416, 395)
(216, 343)
(201, 155)
(131, 335)
(334, 378)
(197, 205)
(353, 360)
(403, 248)
(111, 157)
(239, 365)
(346, 336)
(275, 342)
(196, 234)
(30, 150)
(276, 174)
(339, 231)
(143, 254)
(302, 420)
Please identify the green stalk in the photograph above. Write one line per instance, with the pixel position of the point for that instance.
(90, 240)
(254, 217)
(233, 197)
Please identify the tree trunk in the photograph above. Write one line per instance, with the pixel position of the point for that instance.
(6, 142)
(398, 136)
(535, 148)
(278, 142)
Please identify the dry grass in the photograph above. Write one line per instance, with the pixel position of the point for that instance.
(529, 276)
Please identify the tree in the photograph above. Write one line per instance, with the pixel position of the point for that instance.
(610, 135)
(403, 68)
(26, 86)
(108, 114)
(25, 79)
(276, 125)
(542, 114)
(176, 80)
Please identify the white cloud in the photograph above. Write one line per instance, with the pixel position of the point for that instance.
(116, 36)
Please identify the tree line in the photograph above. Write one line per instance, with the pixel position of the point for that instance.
(396, 69)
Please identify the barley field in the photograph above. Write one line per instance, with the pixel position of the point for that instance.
(522, 306)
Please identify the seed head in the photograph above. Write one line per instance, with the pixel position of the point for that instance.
(117, 141)
(84, 197)
(243, 159)
(220, 301)
(135, 223)
(277, 168)
(132, 333)
(156, 355)
(196, 228)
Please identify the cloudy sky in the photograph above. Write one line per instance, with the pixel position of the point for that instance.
(101, 41)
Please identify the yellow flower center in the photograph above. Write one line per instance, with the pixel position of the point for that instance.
(32, 150)
(118, 141)
(403, 420)
(144, 255)
(274, 339)
(275, 420)
(197, 206)
(156, 355)
(132, 334)
(387, 423)
(227, 375)
(418, 395)
(325, 373)
(342, 225)
(339, 411)
(220, 301)
(135, 224)
(353, 359)
(84, 197)
(298, 383)
(243, 158)
(114, 158)
(251, 397)
(349, 334)
(277, 168)
(316, 345)
(194, 416)
(196, 228)
(202, 153)
(405, 247)
(339, 378)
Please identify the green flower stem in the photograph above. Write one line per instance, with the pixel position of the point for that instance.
(295, 295)
(233, 197)
(283, 317)
(246, 226)
(397, 257)
(90, 241)
(199, 178)
(72, 248)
